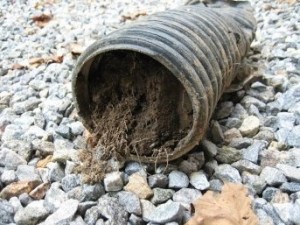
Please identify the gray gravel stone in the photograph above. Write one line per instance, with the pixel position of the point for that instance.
(215, 185)
(265, 134)
(252, 152)
(64, 214)
(295, 214)
(216, 132)
(239, 112)
(92, 192)
(31, 214)
(64, 131)
(210, 167)
(199, 180)
(56, 172)
(44, 147)
(55, 197)
(76, 128)
(76, 193)
(285, 120)
(158, 180)
(178, 179)
(186, 196)
(135, 220)
(28, 105)
(61, 155)
(130, 202)
(240, 143)
(10, 160)
(293, 138)
(84, 206)
(113, 181)
(15, 203)
(27, 173)
(133, 167)
(264, 218)
(256, 182)
(188, 167)
(209, 148)
(8, 176)
(245, 165)
(70, 181)
(269, 193)
(161, 195)
(25, 199)
(227, 173)
(248, 101)
(290, 172)
(224, 110)
(284, 211)
(233, 123)
(250, 126)
(112, 210)
(197, 158)
(22, 148)
(290, 187)
(91, 215)
(228, 155)
(78, 221)
(273, 176)
(6, 212)
(291, 97)
(167, 212)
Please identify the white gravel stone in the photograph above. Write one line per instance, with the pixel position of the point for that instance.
(249, 126)
(273, 176)
(113, 181)
(199, 180)
(227, 173)
(167, 212)
(178, 179)
(64, 214)
(290, 172)
(32, 213)
(8, 176)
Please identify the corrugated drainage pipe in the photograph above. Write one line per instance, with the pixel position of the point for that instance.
(201, 48)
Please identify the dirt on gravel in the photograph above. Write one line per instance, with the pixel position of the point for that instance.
(138, 107)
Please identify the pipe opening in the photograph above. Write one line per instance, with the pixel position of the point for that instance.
(137, 105)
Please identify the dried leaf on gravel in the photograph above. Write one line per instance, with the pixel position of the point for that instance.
(37, 61)
(54, 59)
(231, 207)
(133, 15)
(18, 66)
(43, 3)
(42, 19)
(76, 49)
(291, 2)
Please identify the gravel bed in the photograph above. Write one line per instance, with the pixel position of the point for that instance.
(254, 137)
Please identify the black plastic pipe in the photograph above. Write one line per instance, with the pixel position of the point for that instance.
(202, 47)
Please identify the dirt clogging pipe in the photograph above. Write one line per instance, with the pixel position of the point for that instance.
(148, 90)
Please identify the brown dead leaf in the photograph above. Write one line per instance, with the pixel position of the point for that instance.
(37, 61)
(44, 3)
(76, 49)
(42, 19)
(43, 162)
(133, 15)
(54, 59)
(231, 207)
(291, 2)
(18, 66)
